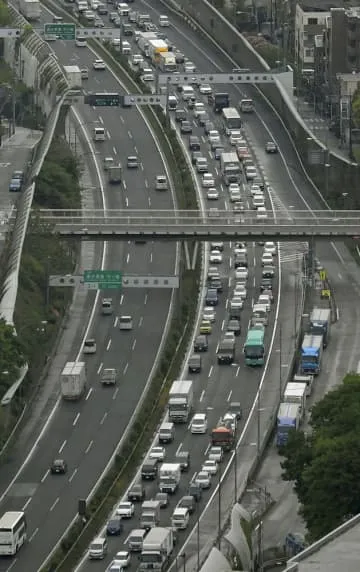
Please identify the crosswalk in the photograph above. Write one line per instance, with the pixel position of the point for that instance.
(289, 252)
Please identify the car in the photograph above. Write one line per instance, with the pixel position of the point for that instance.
(238, 206)
(268, 272)
(266, 283)
(198, 108)
(20, 175)
(179, 57)
(132, 162)
(234, 327)
(218, 151)
(212, 194)
(137, 59)
(188, 502)
(202, 165)
(127, 31)
(98, 23)
(205, 328)
(214, 136)
(148, 77)
(161, 183)
(80, 43)
(240, 290)
(136, 493)
(158, 453)
(271, 147)
(114, 566)
(123, 558)
(89, 346)
(203, 479)
(215, 454)
(183, 457)
(58, 467)
(270, 294)
(211, 297)
(234, 187)
(194, 363)
(261, 214)
(241, 273)
(201, 343)
(266, 259)
(213, 272)
(205, 89)
(215, 257)
(210, 466)
(186, 127)
(114, 526)
(235, 196)
(270, 247)
(236, 409)
(203, 117)
(195, 155)
(230, 419)
(213, 212)
(209, 314)
(240, 260)
(209, 126)
(163, 499)
(99, 65)
(189, 67)
(198, 424)
(255, 190)
(207, 180)
(235, 137)
(15, 185)
(195, 491)
(217, 245)
(236, 302)
(125, 509)
(264, 300)
(216, 284)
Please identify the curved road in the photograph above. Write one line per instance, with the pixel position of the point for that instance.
(86, 433)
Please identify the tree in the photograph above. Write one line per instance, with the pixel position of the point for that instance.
(5, 18)
(325, 464)
(11, 356)
(356, 108)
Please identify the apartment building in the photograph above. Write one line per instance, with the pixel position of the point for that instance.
(308, 24)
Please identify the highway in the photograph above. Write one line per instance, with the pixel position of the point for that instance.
(86, 433)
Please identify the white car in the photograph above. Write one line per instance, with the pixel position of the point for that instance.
(148, 77)
(250, 173)
(198, 424)
(189, 67)
(89, 15)
(123, 557)
(235, 196)
(255, 190)
(125, 509)
(203, 479)
(265, 300)
(210, 466)
(198, 108)
(215, 454)
(89, 346)
(208, 180)
(240, 290)
(217, 246)
(266, 259)
(241, 273)
(99, 65)
(240, 251)
(231, 419)
(114, 566)
(215, 257)
(158, 453)
(137, 59)
(209, 314)
(80, 43)
(235, 137)
(205, 89)
(214, 136)
(212, 194)
(261, 213)
(237, 302)
(270, 247)
(234, 187)
(126, 48)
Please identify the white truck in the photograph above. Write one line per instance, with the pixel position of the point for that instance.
(143, 41)
(167, 62)
(73, 75)
(155, 48)
(180, 518)
(230, 167)
(169, 477)
(181, 397)
(150, 514)
(30, 9)
(157, 548)
(73, 380)
(308, 379)
(296, 393)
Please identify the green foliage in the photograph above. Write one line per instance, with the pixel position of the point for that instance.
(11, 356)
(5, 18)
(325, 465)
(356, 108)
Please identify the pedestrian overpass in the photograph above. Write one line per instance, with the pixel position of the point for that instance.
(210, 225)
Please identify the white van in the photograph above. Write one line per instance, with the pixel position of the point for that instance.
(107, 306)
(123, 9)
(125, 323)
(136, 539)
(164, 21)
(258, 201)
(187, 92)
(99, 134)
(180, 518)
(98, 548)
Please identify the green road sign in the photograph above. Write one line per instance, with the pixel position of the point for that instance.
(105, 279)
(62, 31)
(103, 99)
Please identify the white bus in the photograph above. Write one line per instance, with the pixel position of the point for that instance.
(232, 119)
(12, 532)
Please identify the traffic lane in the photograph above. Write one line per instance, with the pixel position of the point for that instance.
(12, 159)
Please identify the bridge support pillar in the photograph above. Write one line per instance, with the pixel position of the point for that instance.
(190, 254)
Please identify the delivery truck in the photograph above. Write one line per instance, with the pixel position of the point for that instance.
(30, 9)
(157, 47)
(230, 168)
(150, 514)
(157, 548)
(167, 62)
(288, 418)
(320, 323)
(181, 397)
(296, 393)
(73, 380)
(169, 474)
(73, 76)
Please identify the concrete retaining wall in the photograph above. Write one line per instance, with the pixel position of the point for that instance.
(341, 173)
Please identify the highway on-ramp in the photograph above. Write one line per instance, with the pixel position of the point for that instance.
(86, 433)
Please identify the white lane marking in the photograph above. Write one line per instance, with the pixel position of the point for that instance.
(151, 256)
(340, 276)
(145, 299)
(108, 346)
(114, 151)
(116, 321)
(127, 202)
(237, 371)
(115, 393)
(73, 475)
(26, 504)
(149, 200)
(211, 370)
(33, 535)
(178, 449)
(230, 261)
(62, 446)
(146, 183)
(127, 258)
(46, 475)
(202, 395)
(229, 396)
(54, 504)
(223, 325)
(125, 369)
(134, 344)
(141, 166)
(135, 149)
(89, 447)
(124, 184)
(140, 321)
(89, 393)
(100, 368)
(122, 119)
(207, 449)
(101, 120)
(103, 418)
(130, 134)
(76, 419)
(108, 134)
(121, 299)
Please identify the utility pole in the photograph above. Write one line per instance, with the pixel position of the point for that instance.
(219, 508)
(258, 410)
(198, 536)
(280, 361)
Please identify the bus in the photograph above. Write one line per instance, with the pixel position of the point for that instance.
(232, 119)
(12, 532)
(254, 348)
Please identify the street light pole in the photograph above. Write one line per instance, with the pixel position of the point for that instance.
(235, 474)
(280, 360)
(258, 410)
(198, 536)
(219, 508)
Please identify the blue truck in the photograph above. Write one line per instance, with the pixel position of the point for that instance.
(311, 354)
(288, 417)
(320, 324)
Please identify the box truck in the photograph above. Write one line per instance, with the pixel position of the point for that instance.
(73, 380)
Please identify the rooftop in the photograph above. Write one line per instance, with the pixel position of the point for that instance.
(324, 5)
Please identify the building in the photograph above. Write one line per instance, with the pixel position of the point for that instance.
(308, 24)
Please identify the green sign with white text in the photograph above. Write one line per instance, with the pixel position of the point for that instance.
(60, 30)
(104, 279)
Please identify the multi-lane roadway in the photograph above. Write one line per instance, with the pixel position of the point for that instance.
(86, 433)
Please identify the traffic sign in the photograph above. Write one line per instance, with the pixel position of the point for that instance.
(140, 99)
(128, 281)
(105, 279)
(63, 31)
(10, 32)
(190, 78)
(105, 33)
(103, 99)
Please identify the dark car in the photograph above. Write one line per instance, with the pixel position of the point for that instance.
(114, 526)
(149, 469)
(194, 143)
(163, 498)
(271, 147)
(216, 284)
(211, 297)
(127, 30)
(58, 467)
(180, 115)
(195, 156)
(201, 344)
(186, 127)
(136, 493)
(266, 284)
(102, 10)
(15, 185)
(218, 152)
(240, 261)
(194, 363)
(195, 491)
(268, 272)
(183, 457)
(188, 502)
(179, 58)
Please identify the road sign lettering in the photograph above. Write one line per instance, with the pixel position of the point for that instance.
(103, 99)
(63, 31)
